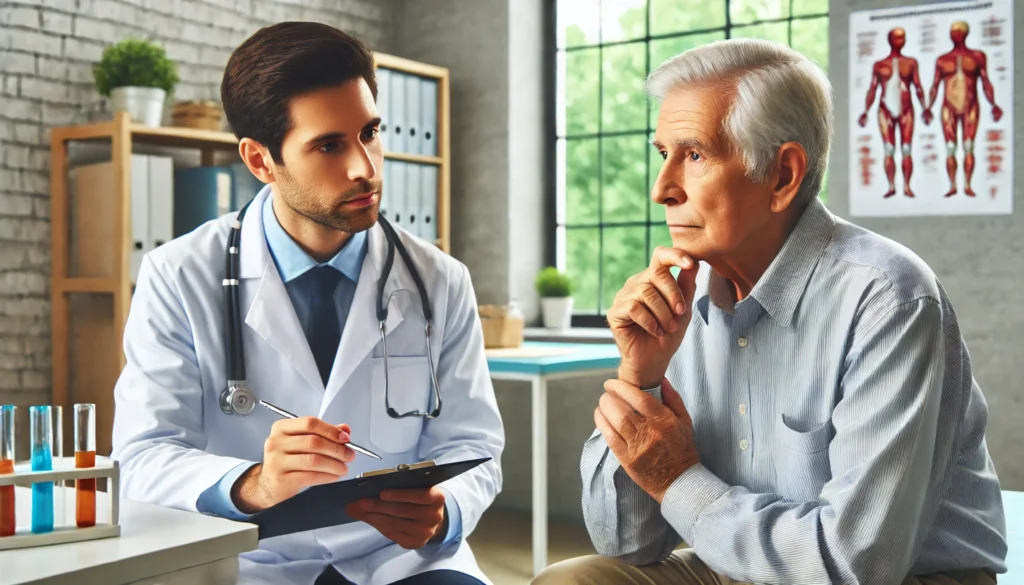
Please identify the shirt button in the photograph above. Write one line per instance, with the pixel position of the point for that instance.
(743, 409)
(744, 444)
(742, 341)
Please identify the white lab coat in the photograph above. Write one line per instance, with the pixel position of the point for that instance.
(173, 441)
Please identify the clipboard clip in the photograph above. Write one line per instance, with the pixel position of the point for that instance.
(398, 468)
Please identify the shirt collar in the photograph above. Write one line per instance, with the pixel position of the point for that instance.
(782, 285)
(292, 261)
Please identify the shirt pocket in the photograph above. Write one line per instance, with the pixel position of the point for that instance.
(802, 465)
(408, 389)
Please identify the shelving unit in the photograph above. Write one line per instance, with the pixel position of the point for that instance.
(89, 311)
(64, 528)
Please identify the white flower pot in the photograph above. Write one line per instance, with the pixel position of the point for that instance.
(145, 105)
(557, 312)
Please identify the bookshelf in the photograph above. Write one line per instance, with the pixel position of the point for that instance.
(88, 311)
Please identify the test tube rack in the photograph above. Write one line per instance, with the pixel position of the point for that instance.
(63, 471)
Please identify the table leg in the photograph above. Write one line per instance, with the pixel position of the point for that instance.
(540, 474)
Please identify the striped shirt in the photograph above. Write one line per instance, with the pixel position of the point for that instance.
(840, 431)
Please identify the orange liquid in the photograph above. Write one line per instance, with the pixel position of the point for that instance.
(85, 491)
(6, 501)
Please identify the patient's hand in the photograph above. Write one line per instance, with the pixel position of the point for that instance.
(652, 440)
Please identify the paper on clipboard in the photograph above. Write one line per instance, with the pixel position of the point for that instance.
(323, 506)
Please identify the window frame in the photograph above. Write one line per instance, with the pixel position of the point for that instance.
(551, 171)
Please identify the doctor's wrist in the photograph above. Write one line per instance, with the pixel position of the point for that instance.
(247, 494)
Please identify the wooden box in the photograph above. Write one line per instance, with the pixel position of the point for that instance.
(502, 328)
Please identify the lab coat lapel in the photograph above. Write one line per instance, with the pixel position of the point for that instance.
(362, 330)
(271, 314)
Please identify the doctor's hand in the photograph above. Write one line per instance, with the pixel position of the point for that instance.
(652, 440)
(299, 453)
(649, 316)
(410, 518)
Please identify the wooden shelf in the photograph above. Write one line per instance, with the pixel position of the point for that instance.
(415, 158)
(159, 136)
(86, 285)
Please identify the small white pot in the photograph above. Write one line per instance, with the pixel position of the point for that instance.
(145, 105)
(557, 312)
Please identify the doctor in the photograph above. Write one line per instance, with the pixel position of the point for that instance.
(312, 253)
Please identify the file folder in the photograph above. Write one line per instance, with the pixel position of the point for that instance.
(428, 113)
(383, 105)
(397, 105)
(399, 190)
(161, 201)
(428, 203)
(414, 138)
(412, 198)
(387, 190)
(323, 506)
(141, 241)
(201, 194)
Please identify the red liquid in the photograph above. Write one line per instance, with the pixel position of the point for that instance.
(85, 491)
(6, 500)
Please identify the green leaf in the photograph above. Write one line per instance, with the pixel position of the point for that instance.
(135, 62)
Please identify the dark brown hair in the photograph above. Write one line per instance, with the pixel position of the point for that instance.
(281, 62)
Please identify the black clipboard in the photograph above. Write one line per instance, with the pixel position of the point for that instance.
(324, 505)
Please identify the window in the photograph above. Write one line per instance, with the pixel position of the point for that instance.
(606, 225)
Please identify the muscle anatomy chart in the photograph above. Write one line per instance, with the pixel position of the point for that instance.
(931, 89)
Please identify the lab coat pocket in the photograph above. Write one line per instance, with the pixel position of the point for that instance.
(408, 389)
(801, 462)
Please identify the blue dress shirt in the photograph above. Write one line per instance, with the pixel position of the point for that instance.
(840, 431)
(292, 262)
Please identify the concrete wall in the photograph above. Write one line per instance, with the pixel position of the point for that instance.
(980, 260)
(46, 53)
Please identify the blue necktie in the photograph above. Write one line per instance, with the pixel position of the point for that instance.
(324, 329)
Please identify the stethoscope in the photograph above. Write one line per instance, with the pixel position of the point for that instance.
(238, 399)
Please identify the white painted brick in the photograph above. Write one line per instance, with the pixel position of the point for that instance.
(26, 133)
(107, 9)
(14, 361)
(41, 208)
(15, 204)
(80, 72)
(38, 256)
(44, 89)
(11, 180)
(58, 23)
(26, 307)
(20, 16)
(9, 380)
(11, 345)
(15, 62)
(25, 230)
(182, 52)
(82, 49)
(37, 182)
(18, 109)
(34, 380)
(41, 361)
(36, 346)
(6, 131)
(15, 157)
(10, 85)
(59, 115)
(36, 42)
(214, 57)
(52, 68)
(96, 29)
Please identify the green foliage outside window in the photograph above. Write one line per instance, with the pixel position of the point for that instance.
(608, 226)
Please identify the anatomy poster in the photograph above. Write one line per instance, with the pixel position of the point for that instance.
(931, 110)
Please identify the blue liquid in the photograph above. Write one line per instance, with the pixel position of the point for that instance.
(42, 493)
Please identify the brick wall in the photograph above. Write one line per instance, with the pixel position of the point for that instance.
(47, 48)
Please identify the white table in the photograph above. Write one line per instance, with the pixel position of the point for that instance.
(540, 363)
(157, 545)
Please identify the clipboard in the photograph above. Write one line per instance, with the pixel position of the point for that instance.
(323, 506)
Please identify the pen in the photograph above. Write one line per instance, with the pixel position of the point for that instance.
(287, 414)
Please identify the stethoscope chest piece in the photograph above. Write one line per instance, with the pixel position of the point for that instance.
(237, 399)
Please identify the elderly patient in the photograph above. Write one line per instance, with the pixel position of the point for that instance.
(804, 411)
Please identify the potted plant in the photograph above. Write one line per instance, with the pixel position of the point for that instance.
(555, 290)
(137, 76)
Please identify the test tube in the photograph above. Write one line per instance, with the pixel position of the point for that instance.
(85, 456)
(57, 453)
(7, 524)
(42, 460)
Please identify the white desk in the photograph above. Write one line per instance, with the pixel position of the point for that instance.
(157, 545)
(539, 363)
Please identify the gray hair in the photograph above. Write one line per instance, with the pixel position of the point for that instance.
(780, 96)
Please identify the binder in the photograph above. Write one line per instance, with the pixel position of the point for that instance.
(398, 193)
(428, 98)
(244, 186)
(428, 203)
(412, 198)
(414, 138)
(201, 194)
(383, 105)
(161, 201)
(387, 191)
(397, 106)
(323, 505)
(141, 240)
